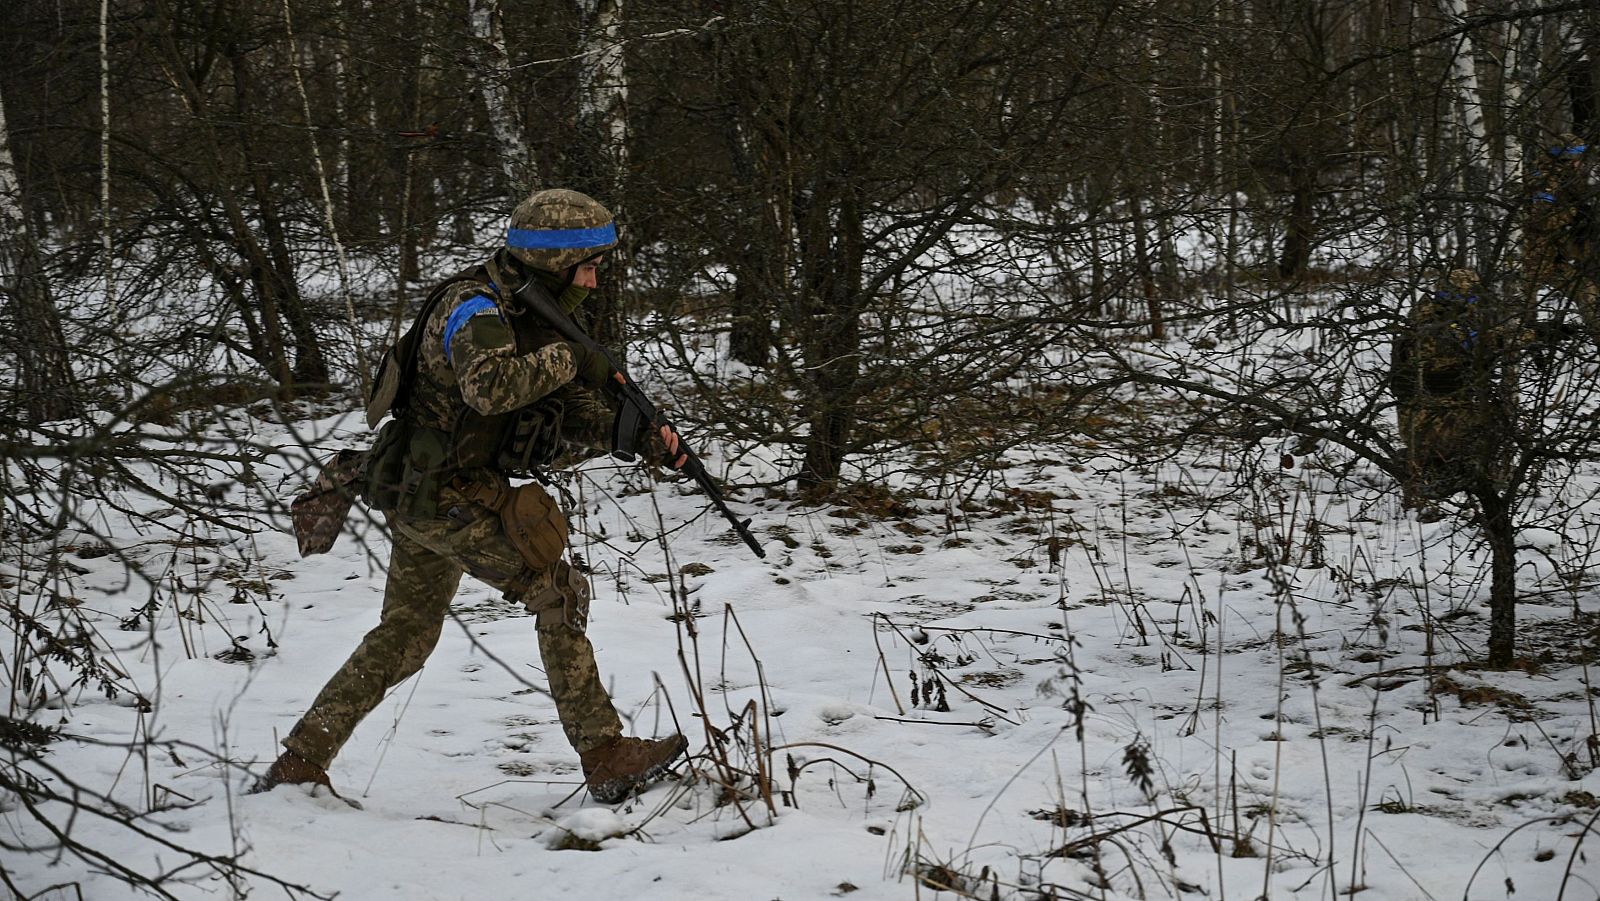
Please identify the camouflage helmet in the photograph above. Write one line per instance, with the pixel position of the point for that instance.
(556, 229)
(1461, 280)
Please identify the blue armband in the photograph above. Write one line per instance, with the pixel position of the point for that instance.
(472, 306)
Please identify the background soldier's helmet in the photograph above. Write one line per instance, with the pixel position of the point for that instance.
(1464, 281)
(555, 229)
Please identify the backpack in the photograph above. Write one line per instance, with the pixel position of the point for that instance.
(391, 386)
(319, 512)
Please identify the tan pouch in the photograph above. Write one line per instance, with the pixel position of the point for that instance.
(536, 526)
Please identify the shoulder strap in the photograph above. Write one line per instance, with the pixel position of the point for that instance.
(410, 344)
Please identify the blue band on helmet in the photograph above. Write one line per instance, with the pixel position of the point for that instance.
(561, 238)
(1545, 196)
(1572, 151)
(472, 306)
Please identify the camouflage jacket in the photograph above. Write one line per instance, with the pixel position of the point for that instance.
(1454, 343)
(483, 359)
(1559, 220)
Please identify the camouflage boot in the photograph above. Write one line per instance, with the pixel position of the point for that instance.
(620, 766)
(292, 769)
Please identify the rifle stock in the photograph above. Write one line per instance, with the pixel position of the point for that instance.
(637, 413)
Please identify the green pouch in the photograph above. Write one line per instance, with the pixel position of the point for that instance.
(386, 465)
(423, 476)
(533, 438)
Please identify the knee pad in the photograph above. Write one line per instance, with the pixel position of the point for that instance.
(558, 595)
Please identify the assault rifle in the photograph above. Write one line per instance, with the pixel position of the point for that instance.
(637, 412)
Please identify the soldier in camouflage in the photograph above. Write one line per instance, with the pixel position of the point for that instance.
(1560, 230)
(1446, 373)
(495, 395)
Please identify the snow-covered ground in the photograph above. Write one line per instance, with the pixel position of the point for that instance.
(1083, 682)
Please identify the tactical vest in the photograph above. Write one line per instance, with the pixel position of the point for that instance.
(423, 447)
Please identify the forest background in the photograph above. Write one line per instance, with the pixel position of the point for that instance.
(869, 238)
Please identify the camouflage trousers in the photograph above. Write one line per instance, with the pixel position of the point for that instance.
(1449, 442)
(1569, 267)
(425, 569)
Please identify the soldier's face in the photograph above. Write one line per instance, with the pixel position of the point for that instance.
(588, 274)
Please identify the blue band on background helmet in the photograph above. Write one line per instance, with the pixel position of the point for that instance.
(469, 308)
(1573, 151)
(561, 238)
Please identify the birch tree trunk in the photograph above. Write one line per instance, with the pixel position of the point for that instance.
(603, 93)
(410, 159)
(1227, 138)
(1473, 143)
(105, 155)
(494, 85)
(1166, 246)
(1146, 184)
(1511, 77)
(603, 120)
(44, 375)
(1464, 74)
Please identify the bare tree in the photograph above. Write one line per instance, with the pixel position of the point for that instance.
(847, 159)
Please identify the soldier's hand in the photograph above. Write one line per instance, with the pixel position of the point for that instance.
(592, 368)
(672, 454)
